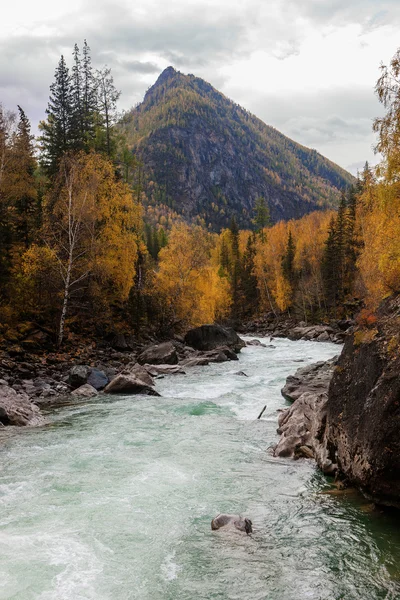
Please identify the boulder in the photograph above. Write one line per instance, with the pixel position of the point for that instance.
(16, 408)
(78, 375)
(221, 354)
(140, 372)
(85, 391)
(313, 378)
(196, 361)
(129, 384)
(155, 370)
(232, 522)
(209, 337)
(159, 354)
(255, 343)
(97, 379)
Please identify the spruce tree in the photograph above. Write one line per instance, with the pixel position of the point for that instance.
(23, 193)
(56, 138)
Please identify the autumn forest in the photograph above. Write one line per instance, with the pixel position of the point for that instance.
(84, 250)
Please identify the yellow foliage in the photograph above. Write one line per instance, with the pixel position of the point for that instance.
(187, 278)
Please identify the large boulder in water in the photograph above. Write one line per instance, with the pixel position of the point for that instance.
(209, 337)
(159, 354)
(17, 409)
(129, 384)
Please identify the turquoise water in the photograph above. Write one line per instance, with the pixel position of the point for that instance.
(113, 499)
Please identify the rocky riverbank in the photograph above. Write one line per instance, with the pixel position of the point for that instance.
(30, 382)
(346, 414)
(334, 332)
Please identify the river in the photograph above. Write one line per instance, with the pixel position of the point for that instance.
(113, 499)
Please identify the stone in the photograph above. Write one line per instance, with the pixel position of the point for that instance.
(155, 370)
(78, 375)
(313, 378)
(16, 408)
(129, 384)
(85, 391)
(210, 337)
(196, 361)
(97, 379)
(232, 522)
(255, 343)
(241, 374)
(159, 354)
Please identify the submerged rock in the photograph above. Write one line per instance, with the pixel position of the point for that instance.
(232, 522)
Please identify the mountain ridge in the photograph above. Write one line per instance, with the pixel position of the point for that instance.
(205, 156)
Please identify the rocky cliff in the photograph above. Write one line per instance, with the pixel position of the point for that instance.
(205, 156)
(353, 428)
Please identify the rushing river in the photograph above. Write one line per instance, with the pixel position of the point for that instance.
(112, 500)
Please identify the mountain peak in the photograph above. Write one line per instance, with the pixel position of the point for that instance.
(205, 157)
(168, 73)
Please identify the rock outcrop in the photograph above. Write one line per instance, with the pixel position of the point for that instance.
(362, 430)
(210, 337)
(353, 428)
(300, 426)
(17, 409)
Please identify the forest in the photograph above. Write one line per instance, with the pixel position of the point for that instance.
(82, 251)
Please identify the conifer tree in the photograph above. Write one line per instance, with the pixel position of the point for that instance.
(23, 193)
(56, 138)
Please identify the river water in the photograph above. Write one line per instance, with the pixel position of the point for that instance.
(112, 500)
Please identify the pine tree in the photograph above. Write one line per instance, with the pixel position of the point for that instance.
(23, 193)
(89, 98)
(107, 96)
(56, 138)
(288, 260)
(77, 116)
(235, 267)
(249, 288)
(262, 218)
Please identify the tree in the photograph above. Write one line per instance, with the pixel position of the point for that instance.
(262, 215)
(22, 185)
(57, 132)
(188, 281)
(93, 230)
(107, 103)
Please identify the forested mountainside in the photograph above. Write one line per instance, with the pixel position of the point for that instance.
(203, 155)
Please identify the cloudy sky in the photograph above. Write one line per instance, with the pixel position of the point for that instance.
(307, 67)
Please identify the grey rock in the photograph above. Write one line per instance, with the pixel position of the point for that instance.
(78, 376)
(85, 391)
(159, 354)
(97, 379)
(155, 370)
(255, 343)
(210, 337)
(16, 408)
(129, 384)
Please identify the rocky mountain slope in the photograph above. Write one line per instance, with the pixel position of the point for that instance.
(205, 156)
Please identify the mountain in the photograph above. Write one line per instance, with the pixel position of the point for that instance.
(205, 156)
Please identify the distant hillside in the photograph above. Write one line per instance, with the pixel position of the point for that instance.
(205, 156)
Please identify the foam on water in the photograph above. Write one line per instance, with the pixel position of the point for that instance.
(113, 499)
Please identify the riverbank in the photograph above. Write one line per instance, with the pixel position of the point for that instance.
(345, 413)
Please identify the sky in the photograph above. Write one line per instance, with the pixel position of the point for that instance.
(306, 67)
